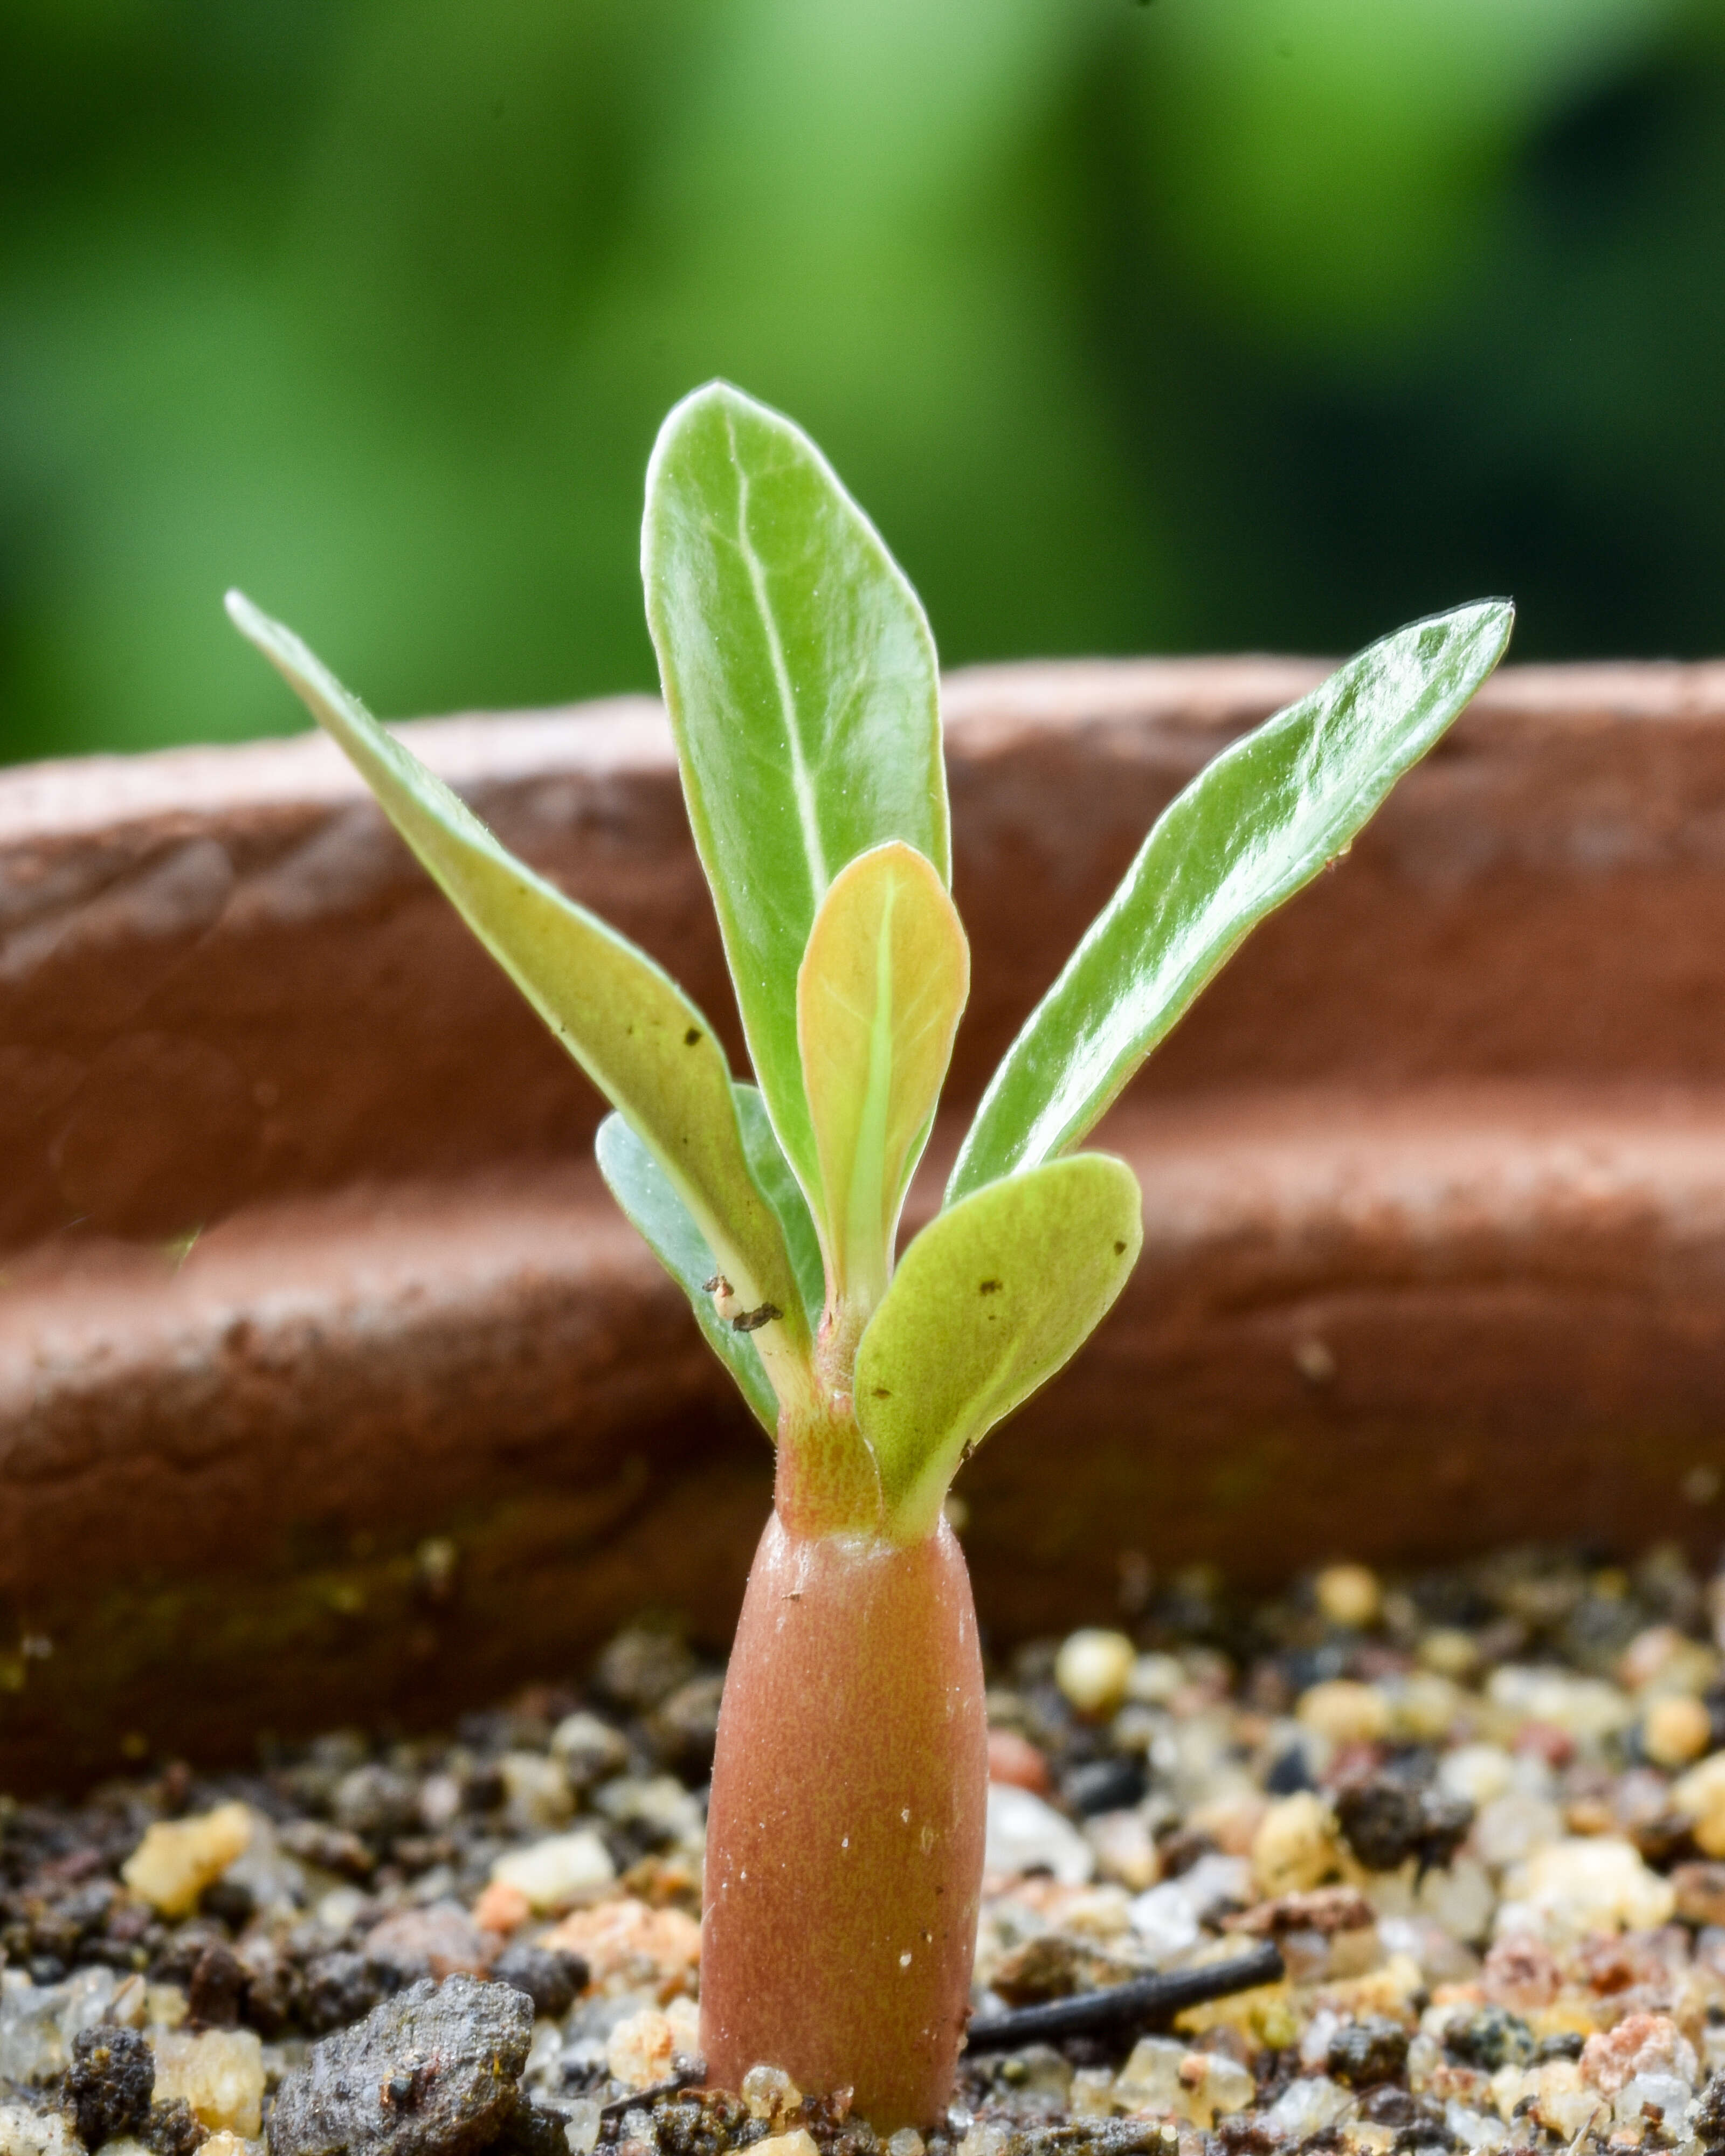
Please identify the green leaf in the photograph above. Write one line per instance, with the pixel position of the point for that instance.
(801, 681)
(1254, 826)
(644, 1190)
(990, 1300)
(630, 1026)
(878, 997)
(778, 1179)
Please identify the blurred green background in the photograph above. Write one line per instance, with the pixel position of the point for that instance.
(1196, 325)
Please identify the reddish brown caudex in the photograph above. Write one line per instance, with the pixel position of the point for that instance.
(845, 1833)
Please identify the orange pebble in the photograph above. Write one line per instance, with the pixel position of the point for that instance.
(1016, 1759)
(502, 1907)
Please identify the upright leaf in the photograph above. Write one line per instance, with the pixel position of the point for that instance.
(779, 1181)
(800, 678)
(878, 997)
(993, 1297)
(630, 1026)
(1254, 826)
(644, 1190)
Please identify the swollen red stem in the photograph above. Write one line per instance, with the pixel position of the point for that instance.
(844, 1836)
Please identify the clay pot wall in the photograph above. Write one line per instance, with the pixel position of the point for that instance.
(332, 1384)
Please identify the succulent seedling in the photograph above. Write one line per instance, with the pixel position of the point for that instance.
(846, 1825)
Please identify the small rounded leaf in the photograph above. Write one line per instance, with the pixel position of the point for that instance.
(992, 1298)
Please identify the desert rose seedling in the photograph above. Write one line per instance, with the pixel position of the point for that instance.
(845, 1845)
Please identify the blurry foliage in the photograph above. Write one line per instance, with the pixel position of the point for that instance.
(1197, 324)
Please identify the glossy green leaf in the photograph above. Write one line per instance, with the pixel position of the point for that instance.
(1254, 826)
(882, 986)
(630, 1026)
(778, 1179)
(644, 1190)
(989, 1300)
(801, 680)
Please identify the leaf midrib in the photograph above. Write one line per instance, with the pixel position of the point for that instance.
(802, 783)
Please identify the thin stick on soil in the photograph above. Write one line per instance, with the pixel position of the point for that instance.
(1145, 1999)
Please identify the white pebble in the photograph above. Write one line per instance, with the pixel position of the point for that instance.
(557, 1871)
(582, 2123)
(1586, 1708)
(1025, 1834)
(1512, 1826)
(1478, 1772)
(1666, 2090)
(24, 2131)
(1308, 2106)
(1597, 1883)
(1168, 1918)
(1166, 2077)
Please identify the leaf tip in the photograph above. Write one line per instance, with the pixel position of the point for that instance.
(251, 621)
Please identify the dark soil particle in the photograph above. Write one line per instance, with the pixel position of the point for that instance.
(110, 2083)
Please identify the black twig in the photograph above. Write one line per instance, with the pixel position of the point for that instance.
(1146, 1998)
(689, 2073)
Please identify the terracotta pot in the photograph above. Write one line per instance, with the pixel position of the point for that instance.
(1435, 1183)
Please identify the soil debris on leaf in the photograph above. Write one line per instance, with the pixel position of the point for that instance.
(1480, 1814)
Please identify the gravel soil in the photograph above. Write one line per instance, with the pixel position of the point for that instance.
(1480, 1814)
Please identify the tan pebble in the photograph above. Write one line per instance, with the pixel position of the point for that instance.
(1350, 1594)
(800, 2142)
(1425, 1707)
(1093, 1669)
(1295, 1846)
(769, 2092)
(638, 2052)
(1014, 1759)
(1664, 1659)
(1521, 1973)
(1676, 1730)
(1700, 1795)
(1231, 1821)
(536, 1790)
(1450, 1651)
(166, 2006)
(177, 1858)
(1155, 1680)
(219, 2073)
(1700, 1889)
(224, 2143)
(1345, 1711)
(1563, 2102)
(1093, 2093)
(1125, 1850)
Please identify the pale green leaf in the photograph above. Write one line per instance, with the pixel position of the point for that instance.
(882, 986)
(643, 1189)
(630, 1026)
(801, 681)
(988, 1302)
(1258, 823)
